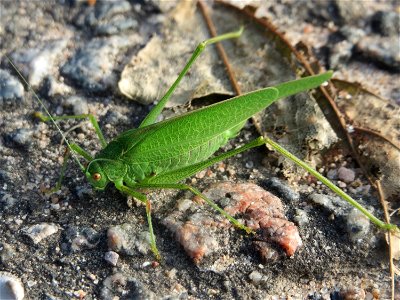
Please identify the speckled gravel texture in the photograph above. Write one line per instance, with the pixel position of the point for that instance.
(78, 243)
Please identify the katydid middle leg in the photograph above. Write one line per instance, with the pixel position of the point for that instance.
(141, 197)
(179, 175)
(182, 186)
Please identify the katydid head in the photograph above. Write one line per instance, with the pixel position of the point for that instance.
(101, 171)
(96, 176)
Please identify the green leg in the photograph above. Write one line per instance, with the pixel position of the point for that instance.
(330, 185)
(91, 118)
(141, 197)
(183, 173)
(67, 156)
(179, 186)
(82, 152)
(155, 112)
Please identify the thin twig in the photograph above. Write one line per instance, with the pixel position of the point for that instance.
(220, 48)
(376, 133)
(387, 220)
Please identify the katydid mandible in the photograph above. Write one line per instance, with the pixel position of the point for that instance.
(161, 155)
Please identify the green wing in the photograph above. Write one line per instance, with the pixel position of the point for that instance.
(195, 136)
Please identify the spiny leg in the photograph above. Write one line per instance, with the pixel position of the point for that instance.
(330, 185)
(141, 197)
(182, 186)
(157, 109)
(91, 118)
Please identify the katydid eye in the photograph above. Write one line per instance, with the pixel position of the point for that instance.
(96, 176)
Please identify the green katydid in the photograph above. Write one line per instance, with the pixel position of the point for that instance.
(161, 155)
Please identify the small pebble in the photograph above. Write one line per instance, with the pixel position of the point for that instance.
(79, 105)
(277, 186)
(11, 287)
(256, 277)
(92, 66)
(301, 217)
(20, 138)
(146, 264)
(358, 225)
(41, 231)
(341, 184)
(332, 174)
(249, 164)
(346, 175)
(111, 257)
(332, 203)
(126, 239)
(353, 293)
(11, 91)
(6, 253)
(55, 206)
(77, 239)
(267, 253)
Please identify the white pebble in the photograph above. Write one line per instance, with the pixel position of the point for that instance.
(11, 287)
(256, 277)
(40, 231)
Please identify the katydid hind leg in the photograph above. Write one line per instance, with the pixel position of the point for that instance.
(329, 184)
(157, 109)
(181, 186)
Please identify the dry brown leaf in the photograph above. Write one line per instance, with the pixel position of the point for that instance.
(155, 67)
(368, 110)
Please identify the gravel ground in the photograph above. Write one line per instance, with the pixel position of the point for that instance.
(83, 244)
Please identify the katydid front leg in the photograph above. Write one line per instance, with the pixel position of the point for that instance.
(72, 146)
(91, 118)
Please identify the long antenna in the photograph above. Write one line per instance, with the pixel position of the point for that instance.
(47, 112)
